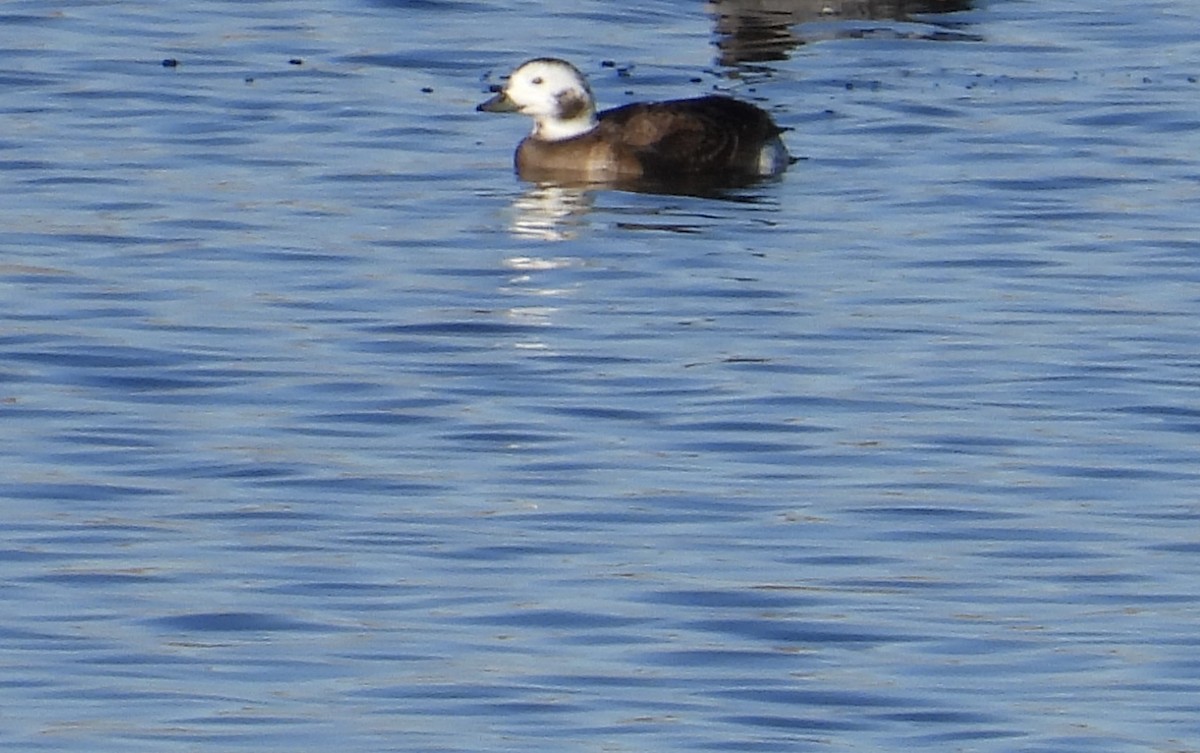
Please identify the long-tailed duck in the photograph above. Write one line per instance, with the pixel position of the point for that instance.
(712, 137)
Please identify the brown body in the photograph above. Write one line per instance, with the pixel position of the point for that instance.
(708, 136)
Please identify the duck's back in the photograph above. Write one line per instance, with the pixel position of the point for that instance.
(711, 134)
(715, 136)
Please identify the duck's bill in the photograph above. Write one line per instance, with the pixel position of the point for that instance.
(498, 103)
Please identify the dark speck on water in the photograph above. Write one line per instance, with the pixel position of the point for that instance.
(322, 430)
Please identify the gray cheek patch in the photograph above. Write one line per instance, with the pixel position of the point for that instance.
(570, 104)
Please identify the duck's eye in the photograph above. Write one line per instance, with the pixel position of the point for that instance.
(537, 81)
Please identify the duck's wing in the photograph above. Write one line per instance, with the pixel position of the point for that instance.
(705, 135)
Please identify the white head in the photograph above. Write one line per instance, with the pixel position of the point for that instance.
(551, 91)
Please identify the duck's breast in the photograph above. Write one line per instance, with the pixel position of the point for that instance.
(588, 157)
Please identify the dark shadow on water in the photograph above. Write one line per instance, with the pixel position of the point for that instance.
(750, 31)
(730, 188)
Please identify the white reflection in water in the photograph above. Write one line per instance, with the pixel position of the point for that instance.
(531, 316)
(528, 278)
(538, 264)
(551, 212)
(529, 282)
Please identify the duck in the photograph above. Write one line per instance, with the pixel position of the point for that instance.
(710, 137)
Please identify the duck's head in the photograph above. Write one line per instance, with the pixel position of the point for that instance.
(551, 91)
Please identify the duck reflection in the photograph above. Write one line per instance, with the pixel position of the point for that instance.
(762, 30)
(557, 211)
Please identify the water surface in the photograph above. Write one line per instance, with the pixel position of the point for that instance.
(323, 431)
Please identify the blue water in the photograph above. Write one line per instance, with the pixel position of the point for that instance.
(324, 432)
